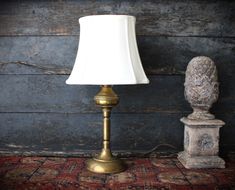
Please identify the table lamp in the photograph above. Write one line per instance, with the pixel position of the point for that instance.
(107, 55)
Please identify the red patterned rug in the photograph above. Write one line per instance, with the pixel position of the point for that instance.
(49, 173)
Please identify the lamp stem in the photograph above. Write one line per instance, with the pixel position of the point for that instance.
(106, 153)
(106, 130)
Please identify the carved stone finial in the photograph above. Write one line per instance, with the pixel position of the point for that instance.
(201, 129)
(201, 87)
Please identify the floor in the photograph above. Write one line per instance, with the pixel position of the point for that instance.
(49, 173)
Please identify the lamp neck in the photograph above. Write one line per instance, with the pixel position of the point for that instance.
(106, 97)
(106, 86)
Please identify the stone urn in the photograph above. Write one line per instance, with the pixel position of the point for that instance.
(201, 87)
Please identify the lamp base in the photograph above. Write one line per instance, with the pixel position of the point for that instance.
(114, 165)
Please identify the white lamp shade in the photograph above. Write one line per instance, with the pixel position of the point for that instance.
(107, 52)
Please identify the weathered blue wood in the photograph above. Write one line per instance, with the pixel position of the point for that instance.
(49, 93)
(160, 55)
(154, 17)
(80, 133)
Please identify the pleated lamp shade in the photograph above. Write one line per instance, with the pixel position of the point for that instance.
(107, 52)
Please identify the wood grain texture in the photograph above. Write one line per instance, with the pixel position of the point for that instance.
(49, 93)
(160, 55)
(154, 17)
(82, 132)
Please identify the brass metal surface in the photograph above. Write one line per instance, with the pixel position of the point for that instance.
(105, 162)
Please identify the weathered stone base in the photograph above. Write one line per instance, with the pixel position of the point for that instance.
(201, 144)
(189, 161)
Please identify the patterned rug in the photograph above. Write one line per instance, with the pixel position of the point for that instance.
(49, 173)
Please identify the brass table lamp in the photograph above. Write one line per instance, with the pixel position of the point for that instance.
(107, 55)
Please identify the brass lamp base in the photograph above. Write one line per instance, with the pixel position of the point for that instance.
(105, 166)
(106, 163)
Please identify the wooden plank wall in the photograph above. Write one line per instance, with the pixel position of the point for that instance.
(40, 114)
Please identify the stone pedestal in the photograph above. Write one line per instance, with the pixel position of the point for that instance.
(201, 144)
